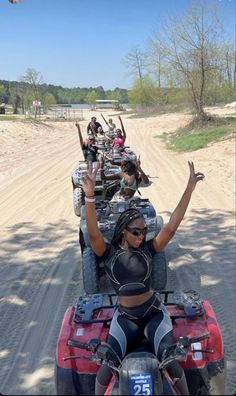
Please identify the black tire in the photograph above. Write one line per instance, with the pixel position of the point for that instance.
(77, 200)
(81, 241)
(159, 271)
(65, 382)
(198, 382)
(68, 382)
(90, 269)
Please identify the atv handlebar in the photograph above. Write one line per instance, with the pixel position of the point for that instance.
(179, 350)
(186, 342)
(103, 352)
(91, 346)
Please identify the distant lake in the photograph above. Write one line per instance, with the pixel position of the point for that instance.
(81, 106)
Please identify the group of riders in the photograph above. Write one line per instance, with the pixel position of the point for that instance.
(128, 256)
(130, 175)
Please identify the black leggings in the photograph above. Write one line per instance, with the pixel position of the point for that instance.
(128, 328)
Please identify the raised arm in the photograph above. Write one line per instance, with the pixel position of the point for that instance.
(88, 128)
(104, 119)
(95, 236)
(79, 134)
(143, 176)
(123, 128)
(168, 231)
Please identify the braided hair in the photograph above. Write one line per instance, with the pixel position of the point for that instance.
(125, 218)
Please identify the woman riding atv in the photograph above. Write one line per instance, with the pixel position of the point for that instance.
(131, 177)
(120, 137)
(128, 263)
(88, 146)
(111, 126)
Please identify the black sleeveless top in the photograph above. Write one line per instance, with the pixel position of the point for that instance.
(90, 152)
(129, 270)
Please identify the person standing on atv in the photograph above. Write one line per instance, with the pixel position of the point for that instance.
(128, 263)
(131, 177)
(119, 140)
(92, 127)
(88, 146)
(111, 127)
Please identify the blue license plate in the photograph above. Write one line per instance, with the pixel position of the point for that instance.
(141, 384)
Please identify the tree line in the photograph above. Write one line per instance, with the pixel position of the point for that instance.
(21, 94)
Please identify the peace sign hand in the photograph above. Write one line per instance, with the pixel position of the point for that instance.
(88, 180)
(194, 177)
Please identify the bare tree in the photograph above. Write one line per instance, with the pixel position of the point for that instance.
(156, 63)
(230, 65)
(235, 69)
(190, 46)
(136, 61)
(34, 79)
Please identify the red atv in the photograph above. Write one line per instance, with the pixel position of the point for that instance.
(82, 348)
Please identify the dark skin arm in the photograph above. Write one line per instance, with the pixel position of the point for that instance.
(95, 236)
(79, 134)
(88, 128)
(144, 177)
(122, 128)
(168, 231)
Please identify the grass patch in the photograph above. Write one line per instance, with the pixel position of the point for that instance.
(6, 117)
(193, 137)
(155, 111)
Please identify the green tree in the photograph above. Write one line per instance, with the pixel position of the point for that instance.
(2, 91)
(144, 93)
(16, 102)
(91, 97)
(48, 100)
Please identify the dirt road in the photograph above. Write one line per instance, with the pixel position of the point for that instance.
(40, 263)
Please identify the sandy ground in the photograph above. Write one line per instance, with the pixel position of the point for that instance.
(40, 262)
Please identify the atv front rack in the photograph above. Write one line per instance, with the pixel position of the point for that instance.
(189, 301)
(86, 307)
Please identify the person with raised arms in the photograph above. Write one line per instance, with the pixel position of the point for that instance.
(128, 264)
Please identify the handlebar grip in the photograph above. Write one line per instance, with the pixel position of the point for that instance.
(77, 344)
(200, 337)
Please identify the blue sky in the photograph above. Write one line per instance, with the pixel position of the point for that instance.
(81, 43)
